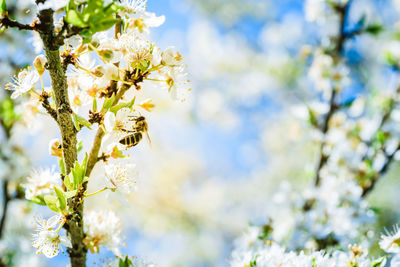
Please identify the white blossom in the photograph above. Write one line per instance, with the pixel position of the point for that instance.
(120, 177)
(171, 58)
(391, 241)
(53, 4)
(46, 240)
(116, 127)
(40, 182)
(102, 228)
(178, 83)
(24, 82)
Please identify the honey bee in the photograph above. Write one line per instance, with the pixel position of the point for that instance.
(136, 135)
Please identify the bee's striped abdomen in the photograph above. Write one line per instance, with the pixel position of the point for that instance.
(131, 140)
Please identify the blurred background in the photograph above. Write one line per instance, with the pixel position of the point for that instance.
(217, 158)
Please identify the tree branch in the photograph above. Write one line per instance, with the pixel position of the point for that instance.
(323, 159)
(367, 189)
(52, 112)
(94, 152)
(6, 200)
(9, 23)
(74, 226)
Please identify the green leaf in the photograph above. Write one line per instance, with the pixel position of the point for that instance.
(68, 182)
(108, 103)
(94, 106)
(8, 116)
(81, 121)
(70, 194)
(76, 123)
(61, 165)
(79, 146)
(61, 197)
(51, 202)
(77, 175)
(84, 164)
(92, 15)
(253, 262)
(374, 29)
(125, 262)
(121, 105)
(74, 18)
(39, 200)
(379, 262)
(3, 7)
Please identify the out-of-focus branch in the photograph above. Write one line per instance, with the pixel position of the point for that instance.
(6, 200)
(389, 157)
(333, 106)
(9, 23)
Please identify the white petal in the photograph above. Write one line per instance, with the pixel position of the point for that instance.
(54, 220)
(109, 121)
(65, 241)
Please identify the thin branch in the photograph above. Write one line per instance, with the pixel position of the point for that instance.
(94, 152)
(385, 168)
(9, 23)
(66, 31)
(342, 11)
(52, 112)
(6, 200)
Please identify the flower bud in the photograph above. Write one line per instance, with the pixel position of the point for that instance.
(39, 63)
(55, 148)
(106, 54)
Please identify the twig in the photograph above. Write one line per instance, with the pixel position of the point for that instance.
(6, 200)
(9, 23)
(342, 10)
(52, 112)
(384, 169)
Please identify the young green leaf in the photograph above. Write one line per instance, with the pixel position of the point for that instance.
(61, 165)
(39, 200)
(94, 107)
(108, 103)
(74, 18)
(79, 146)
(68, 182)
(81, 121)
(3, 7)
(70, 194)
(76, 123)
(51, 202)
(61, 197)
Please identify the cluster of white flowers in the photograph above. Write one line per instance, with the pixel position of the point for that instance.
(269, 255)
(253, 250)
(104, 73)
(333, 214)
(327, 74)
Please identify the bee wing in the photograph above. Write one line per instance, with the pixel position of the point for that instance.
(148, 138)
